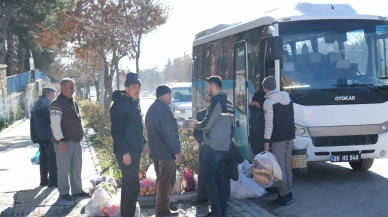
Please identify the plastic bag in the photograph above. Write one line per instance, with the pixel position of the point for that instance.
(107, 187)
(177, 187)
(245, 187)
(137, 212)
(147, 188)
(188, 181)
(246, 168)
(266, 169)
(265, 162)
(98, 203)
(98, 179)
(151, 174)
(35, 157)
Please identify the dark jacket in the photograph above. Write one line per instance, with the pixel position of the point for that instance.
(256, 129)
(40, 124)
(217, 122)
(162, 129)
(198, 134)
(66, 123)
(232, 160)
(279, 117)
(127, 124)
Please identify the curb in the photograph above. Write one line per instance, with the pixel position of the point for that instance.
(150, 201)
(93, 154)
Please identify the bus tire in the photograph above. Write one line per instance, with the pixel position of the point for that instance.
(363, 164)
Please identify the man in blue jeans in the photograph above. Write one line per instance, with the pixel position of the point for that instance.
(216, 128)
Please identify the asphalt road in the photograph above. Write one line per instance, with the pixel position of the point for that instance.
(335, 190)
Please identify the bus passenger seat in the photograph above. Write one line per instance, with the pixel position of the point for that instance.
(343, 70)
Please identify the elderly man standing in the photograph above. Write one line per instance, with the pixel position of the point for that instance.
(163, 139)
(41, 133)
(67, 131)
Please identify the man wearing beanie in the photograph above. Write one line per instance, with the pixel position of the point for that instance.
(128, 140)
(163, 139)
(279, 131)
(40, 128)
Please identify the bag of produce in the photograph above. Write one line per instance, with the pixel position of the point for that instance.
(147, 188)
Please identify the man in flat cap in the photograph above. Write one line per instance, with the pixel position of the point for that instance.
(66, 125)
(163, 139)
(41, 133)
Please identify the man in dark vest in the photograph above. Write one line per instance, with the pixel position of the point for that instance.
(67, 131)
(41, 133)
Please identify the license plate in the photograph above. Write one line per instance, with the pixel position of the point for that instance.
(345, 157)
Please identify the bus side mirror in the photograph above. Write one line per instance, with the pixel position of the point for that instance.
(277, 48)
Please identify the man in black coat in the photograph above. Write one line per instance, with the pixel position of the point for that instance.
(128, 140)
(40, 130)
(163, 139)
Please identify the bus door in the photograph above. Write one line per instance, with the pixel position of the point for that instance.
(240, 86)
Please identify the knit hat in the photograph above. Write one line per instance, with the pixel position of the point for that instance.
(132, 78)
(161, 90)
(47, 90)
(269, 83)
(259, 97)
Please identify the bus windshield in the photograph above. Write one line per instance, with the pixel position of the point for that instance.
(323, 54)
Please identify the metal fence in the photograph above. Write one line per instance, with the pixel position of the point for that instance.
(18, 82)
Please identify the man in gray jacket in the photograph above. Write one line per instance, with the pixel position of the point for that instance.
(216, 128)
(279, 129)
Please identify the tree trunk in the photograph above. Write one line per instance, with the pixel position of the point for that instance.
(2, 49)
(10, 53)
(108, 86)
(117, 75)
(21, 56)
(97, 86)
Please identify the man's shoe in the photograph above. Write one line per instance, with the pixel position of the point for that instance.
(284, 200)
(82, 194)
(66, 197)
(173, 207)
(53, 185)
(167, 214)
(198, 202)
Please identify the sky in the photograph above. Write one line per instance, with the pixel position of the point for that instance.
(188, 17)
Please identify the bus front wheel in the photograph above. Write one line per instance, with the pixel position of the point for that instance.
(363, 164)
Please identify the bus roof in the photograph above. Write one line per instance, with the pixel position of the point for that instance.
(179, 84)
(301, 11)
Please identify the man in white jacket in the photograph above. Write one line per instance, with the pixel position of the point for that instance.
(279, 130)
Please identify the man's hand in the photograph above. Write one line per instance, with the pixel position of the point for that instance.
(193, 123)
(177, 158)
(146, 150)
(266, 146)
(127, 159)
(179, 124)
(62, 146)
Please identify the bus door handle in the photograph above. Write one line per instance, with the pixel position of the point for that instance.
(237, 123)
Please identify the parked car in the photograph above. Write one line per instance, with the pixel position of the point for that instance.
(182, 101)
(153, 94)
(144, 94)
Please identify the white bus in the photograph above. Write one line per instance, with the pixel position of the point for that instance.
(328, 57)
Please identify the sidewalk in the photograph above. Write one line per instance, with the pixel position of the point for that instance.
(20, 194)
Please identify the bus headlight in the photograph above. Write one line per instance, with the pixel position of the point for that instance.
(301, 131)
(383, 128)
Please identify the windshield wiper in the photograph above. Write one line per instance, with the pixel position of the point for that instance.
(369, 86)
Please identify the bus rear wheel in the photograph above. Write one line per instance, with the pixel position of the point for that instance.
(363, 164)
